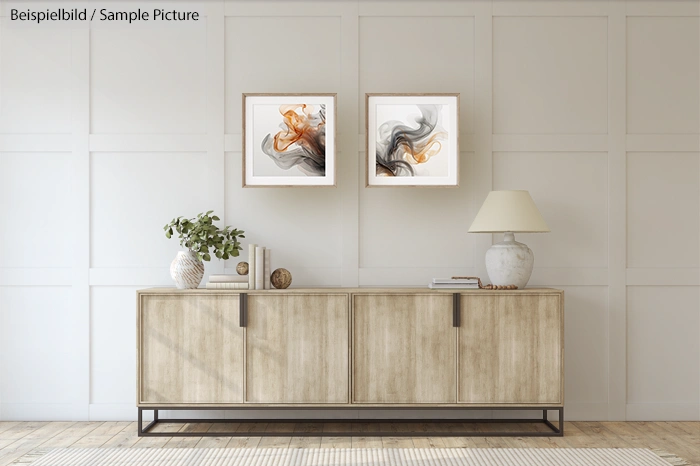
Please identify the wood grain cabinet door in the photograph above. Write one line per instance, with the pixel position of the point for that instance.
(190, 349)
(297, 348)
(511, 349)
(404, 349)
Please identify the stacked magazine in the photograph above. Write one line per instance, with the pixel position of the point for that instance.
(454, 283)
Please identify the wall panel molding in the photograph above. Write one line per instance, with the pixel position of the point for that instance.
(215, 146)
(663, 143)
(483, 122)
(282, 8)
(421, 9)
(80, 71)
(550, 142)
(663, 8)
(663, 276)
(569, 276)
(10, 276)
(617, 205)
(546, 8)
(36, 142)
(149, 142)
(348, 173)
(216, 114)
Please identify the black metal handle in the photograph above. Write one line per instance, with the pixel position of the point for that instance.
(456, 313)
(243, 309)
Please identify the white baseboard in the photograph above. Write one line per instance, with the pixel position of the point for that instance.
(43, 412)
(585, 411)
(663, 411)
(115, 412)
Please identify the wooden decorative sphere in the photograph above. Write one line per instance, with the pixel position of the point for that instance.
(242, 268)
(281, 279)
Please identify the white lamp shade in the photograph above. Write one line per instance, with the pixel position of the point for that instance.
(509, 211)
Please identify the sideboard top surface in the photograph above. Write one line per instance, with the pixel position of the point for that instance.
(366, 290)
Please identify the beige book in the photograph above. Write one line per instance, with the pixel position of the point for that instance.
(251, 266)
(268, 271)
(259, 267)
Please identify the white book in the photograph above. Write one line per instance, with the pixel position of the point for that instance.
(455, 280)
(268, 272)
(227, 278)
(259, 268)
(227, 286)
(453, 286)
(251, 266)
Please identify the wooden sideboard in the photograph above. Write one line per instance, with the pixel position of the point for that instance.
(350, 348)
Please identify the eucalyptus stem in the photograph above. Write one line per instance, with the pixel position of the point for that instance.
(202, 237)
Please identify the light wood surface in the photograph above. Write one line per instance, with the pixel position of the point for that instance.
(298, 344)
(20, 438)
(297, 348)
(394, 290)
(403, 349)
(190, 349)
(511, 349)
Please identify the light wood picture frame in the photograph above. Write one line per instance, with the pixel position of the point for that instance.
(289, 140)
(412, 140)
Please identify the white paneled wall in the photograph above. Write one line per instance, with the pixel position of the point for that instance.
(593, 106)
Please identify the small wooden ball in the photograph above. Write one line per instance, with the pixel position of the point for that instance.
(499, 287)
(242, 268)
(281, 279)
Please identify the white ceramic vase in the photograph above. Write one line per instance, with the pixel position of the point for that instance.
(187, 270)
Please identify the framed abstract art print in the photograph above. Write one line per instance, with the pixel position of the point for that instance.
(412, 139)
(289, 140)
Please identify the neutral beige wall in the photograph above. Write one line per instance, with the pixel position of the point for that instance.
(591, 105)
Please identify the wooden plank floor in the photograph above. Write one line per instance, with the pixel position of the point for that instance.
(20, 438)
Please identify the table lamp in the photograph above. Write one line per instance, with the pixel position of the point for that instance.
(509, 212)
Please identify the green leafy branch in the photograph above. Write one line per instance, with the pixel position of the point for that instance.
(200, 234)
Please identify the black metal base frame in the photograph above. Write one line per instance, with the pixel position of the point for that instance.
(555, 431)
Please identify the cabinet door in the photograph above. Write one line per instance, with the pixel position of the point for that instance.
(511, 349)
(190, 349)
(403, 349)
(297, 348)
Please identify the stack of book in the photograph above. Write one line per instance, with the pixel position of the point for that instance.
(228, 282)
(259, 271)
(454, 283)
(258, 267)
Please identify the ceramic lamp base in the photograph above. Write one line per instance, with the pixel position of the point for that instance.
(509, 262)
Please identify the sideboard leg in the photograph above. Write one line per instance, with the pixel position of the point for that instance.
(558, 430)
(140, 423)
(561, 421)
(144, 431)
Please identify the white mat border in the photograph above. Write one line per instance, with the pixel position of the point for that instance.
(342, 456)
